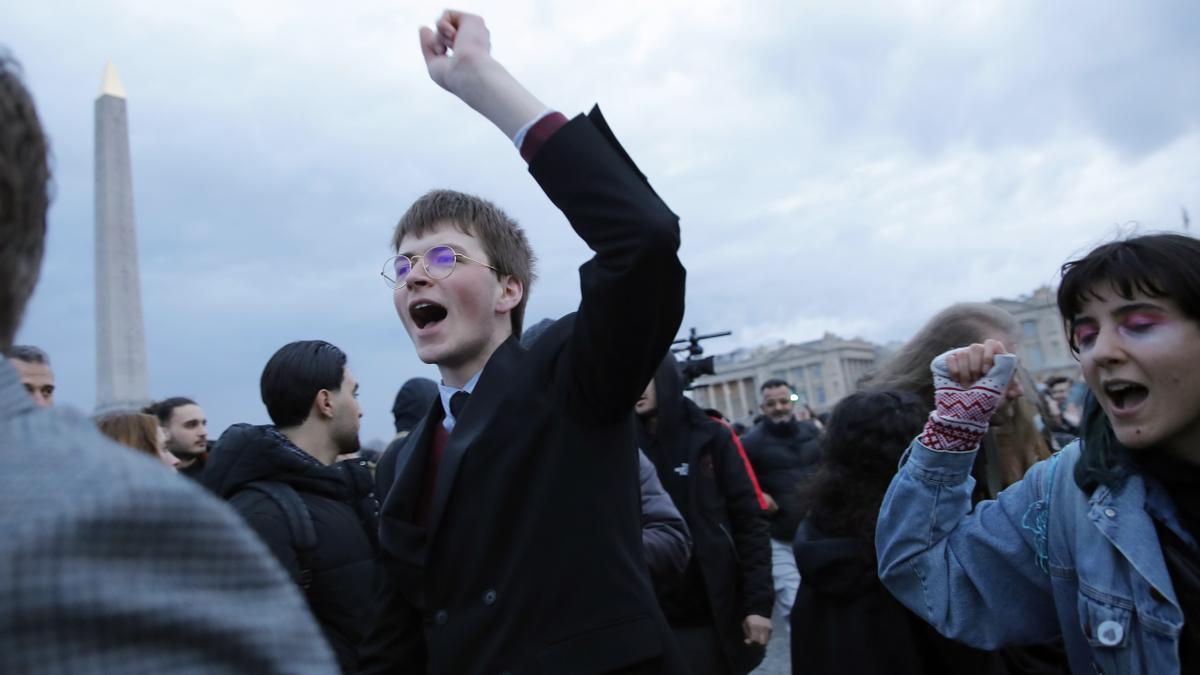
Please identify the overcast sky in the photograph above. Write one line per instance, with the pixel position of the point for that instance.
(841, 166)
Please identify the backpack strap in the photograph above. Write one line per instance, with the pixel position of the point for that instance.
(299, 522)
(1037, 517)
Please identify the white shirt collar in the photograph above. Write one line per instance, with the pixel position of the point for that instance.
(446, 391)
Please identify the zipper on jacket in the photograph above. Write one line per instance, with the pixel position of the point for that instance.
(729, 538)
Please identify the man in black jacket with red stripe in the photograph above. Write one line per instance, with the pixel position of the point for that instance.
(720, 609)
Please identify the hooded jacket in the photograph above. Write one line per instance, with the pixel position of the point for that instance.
(729, 576)
(842, 606)
(412, 402)
(341, 501)
(782, 455)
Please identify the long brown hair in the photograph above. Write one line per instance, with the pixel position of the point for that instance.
(131, 429)
(1014, 444)
(956, 326)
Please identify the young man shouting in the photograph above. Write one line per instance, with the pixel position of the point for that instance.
(510, 527)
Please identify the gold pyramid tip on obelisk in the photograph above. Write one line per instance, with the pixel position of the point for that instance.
(111, 84)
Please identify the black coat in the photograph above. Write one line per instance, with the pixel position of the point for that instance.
(665, 536)
(531, 561)
(344, 512)
(195, 470)
(782, 455)
(701, 469)
(845, 621)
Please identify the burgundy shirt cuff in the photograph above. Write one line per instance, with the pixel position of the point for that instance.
(539, 133)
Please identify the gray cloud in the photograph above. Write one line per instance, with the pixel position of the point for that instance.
(850, 167)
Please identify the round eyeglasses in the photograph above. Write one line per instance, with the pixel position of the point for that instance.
(438, 262)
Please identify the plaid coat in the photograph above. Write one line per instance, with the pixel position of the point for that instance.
(109, 563)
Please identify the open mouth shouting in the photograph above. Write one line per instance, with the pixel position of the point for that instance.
(1124, 397)
(425, 313)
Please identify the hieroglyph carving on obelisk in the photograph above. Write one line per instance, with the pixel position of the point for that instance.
(121, 381)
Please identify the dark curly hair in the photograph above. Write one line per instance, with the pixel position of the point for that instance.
(24, 197)
(866, 435)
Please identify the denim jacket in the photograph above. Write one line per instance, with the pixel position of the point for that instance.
(1040, 561)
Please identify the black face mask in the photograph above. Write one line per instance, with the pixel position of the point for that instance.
(788, 427)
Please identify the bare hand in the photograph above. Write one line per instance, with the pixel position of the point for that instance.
(458, 55)
(757, 630)
(772, 505)
(459, 44)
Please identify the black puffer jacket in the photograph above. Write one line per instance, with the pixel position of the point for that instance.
(845, 621)
(729, 576)
(344, 512)
(782, 455)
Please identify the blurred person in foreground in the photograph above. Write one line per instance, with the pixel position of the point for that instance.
(844, 620)
(108, 564)
(138, 431)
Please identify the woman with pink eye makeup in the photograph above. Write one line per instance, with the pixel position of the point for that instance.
(1100, 544)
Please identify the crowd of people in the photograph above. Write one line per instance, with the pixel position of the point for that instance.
(556, 503)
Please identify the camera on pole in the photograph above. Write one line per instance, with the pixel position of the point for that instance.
(695, 364)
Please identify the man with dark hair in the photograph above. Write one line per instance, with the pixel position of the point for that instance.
(109, 563)
(285, 481)
(720, 608)
(412, 403)
(33, 367)
(1059, 389)
(510, 538)
(187, 432)
(782, 449)
(1065, 416)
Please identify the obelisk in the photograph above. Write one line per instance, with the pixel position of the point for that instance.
(120, 337)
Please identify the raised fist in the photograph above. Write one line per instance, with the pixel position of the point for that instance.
(454, 48)
(969, 385)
